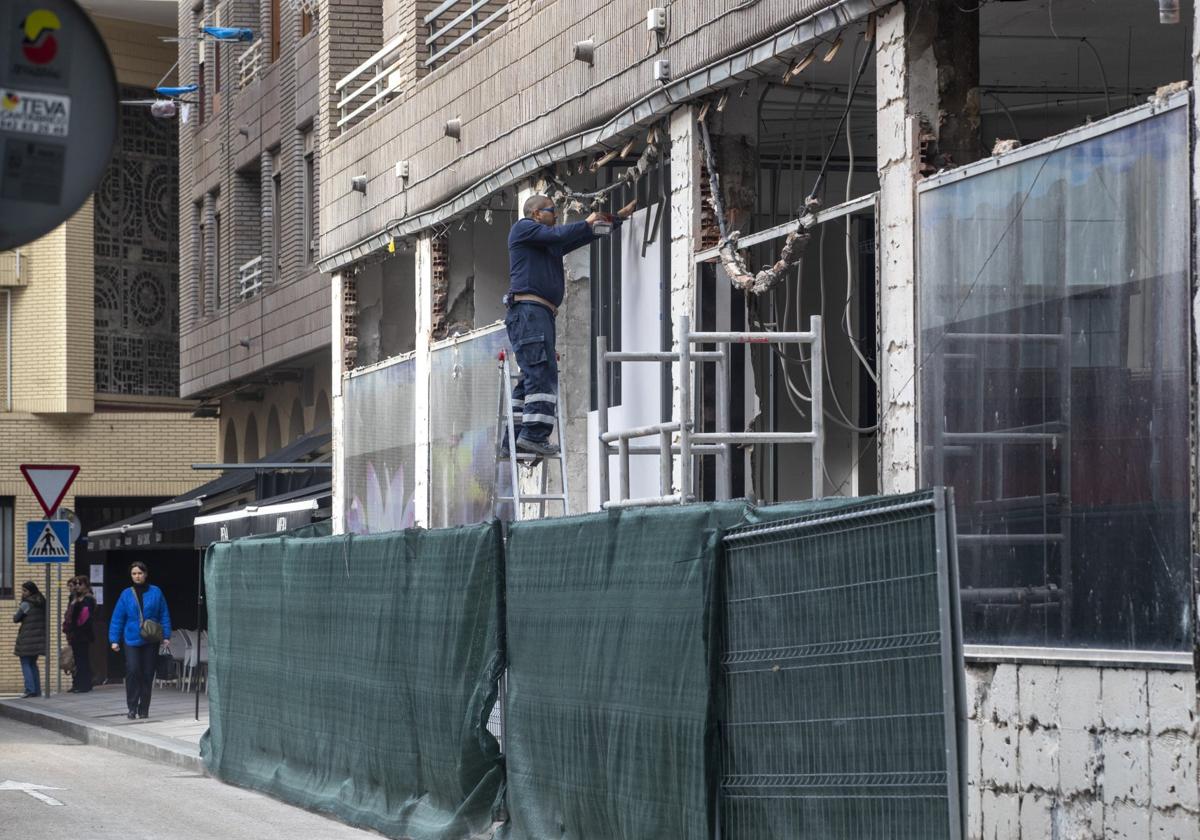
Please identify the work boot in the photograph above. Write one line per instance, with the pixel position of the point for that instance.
(537, 447)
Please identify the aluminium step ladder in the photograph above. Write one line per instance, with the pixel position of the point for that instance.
(517, 461)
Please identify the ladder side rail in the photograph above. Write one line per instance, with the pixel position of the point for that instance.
(506, 390)
(724, 459)
(816, 359)
(685, 408)
(562, 458)
(602, 413)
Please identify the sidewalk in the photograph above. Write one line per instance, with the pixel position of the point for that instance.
(170, 735)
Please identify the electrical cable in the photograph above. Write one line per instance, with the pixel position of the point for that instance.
(962, 303)
(823, 171)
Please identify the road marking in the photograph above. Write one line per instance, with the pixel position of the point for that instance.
(32, 790)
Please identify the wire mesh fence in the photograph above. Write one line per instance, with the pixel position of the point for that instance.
(840, 690)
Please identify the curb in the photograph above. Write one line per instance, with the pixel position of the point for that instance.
(152, 747)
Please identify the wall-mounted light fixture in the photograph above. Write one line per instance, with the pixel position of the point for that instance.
(454, 128)
(585, 51)
(1168, 11)
(358, 183)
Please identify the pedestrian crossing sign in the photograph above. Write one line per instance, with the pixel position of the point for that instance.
(48, 541)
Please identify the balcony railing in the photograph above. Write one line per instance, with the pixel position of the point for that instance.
(249, 64)
(250, 278)
(455, 24)
(14, 268)
(370, 85)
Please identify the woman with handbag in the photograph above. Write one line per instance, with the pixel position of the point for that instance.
(77, 625)
(141, 620)
(31, 636)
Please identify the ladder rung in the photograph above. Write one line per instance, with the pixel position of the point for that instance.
(530, 456)
(536, 497)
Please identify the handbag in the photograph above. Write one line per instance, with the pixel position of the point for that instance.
(150, 630)
(66, 659)
(164, 665)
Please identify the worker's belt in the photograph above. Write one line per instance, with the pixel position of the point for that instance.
(538, 299)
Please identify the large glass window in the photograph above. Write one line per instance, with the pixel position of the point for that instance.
(1054, 384)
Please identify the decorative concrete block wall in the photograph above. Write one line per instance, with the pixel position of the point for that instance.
(1081, 752)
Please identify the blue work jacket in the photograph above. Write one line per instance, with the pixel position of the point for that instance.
(535, 255)
(125, 626)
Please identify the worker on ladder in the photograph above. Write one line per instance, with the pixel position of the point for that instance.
(536, 246)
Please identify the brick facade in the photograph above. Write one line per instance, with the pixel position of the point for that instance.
(229, 163)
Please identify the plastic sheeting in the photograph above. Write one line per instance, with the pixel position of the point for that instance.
(380, 446)
(464, 398)
(354, 675)
(609, 725)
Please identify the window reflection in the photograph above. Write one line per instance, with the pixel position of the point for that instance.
(1054, 388)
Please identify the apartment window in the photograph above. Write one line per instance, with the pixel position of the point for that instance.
(308, 21)
(216, 272)
(276, 218)
(7, 540)
(310, 199)
(216, 104)
(1054, 386)
(275, 31)
(201, 260)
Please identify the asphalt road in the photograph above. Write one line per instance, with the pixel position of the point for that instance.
(106, 795)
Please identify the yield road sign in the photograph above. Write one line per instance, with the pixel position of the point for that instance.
(50, 483)
(47, 541)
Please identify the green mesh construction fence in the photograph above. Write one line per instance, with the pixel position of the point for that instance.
(353, 675)
(840, 691)
(608, 727)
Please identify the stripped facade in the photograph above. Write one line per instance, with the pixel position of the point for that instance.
(993, 214)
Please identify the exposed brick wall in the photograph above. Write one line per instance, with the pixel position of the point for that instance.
(440, 266)
(349, 325)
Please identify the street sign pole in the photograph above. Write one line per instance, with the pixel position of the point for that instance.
(46, 682)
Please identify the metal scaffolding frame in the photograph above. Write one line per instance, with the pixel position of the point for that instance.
(691, 442)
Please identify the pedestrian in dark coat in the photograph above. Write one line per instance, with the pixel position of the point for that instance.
(31, 637)
(138, 602)
(78, 627)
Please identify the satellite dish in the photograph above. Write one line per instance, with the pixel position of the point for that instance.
(58, 115)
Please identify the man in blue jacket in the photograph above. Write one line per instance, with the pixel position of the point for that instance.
(536, 246)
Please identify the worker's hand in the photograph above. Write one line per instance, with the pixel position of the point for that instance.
(627, 211)
(116, 646)
(593, 218)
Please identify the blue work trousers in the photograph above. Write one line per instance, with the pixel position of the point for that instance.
(535, 396)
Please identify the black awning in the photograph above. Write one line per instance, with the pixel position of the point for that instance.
(171, 523)
(269, 516)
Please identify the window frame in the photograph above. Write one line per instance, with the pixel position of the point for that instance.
(8, 548)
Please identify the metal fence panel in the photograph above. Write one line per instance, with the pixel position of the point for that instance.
(841, 695)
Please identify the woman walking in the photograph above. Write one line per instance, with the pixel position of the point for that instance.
(77, 625)
(140, 620)
(31, 637)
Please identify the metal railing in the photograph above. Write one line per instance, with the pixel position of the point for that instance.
(691, 442)
(14, 268)
(249, 64)
(371, 84)
(250, 278)
(455, 24)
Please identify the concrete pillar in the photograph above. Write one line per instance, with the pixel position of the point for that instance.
(424, 315)
(898, 155)
(1196, 320)
(338, 409)
(685, 233)
(943, 73)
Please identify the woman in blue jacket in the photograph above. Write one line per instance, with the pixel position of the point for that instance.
(126, 625)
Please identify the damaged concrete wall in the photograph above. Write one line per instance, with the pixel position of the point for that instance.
(478, 273)
(1081, 752)
(897, 161)
(386, 309)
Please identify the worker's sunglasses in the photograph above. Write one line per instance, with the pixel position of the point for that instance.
(549, 210)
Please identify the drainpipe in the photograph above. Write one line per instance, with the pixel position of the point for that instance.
(1168, 11)
(8, 400)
